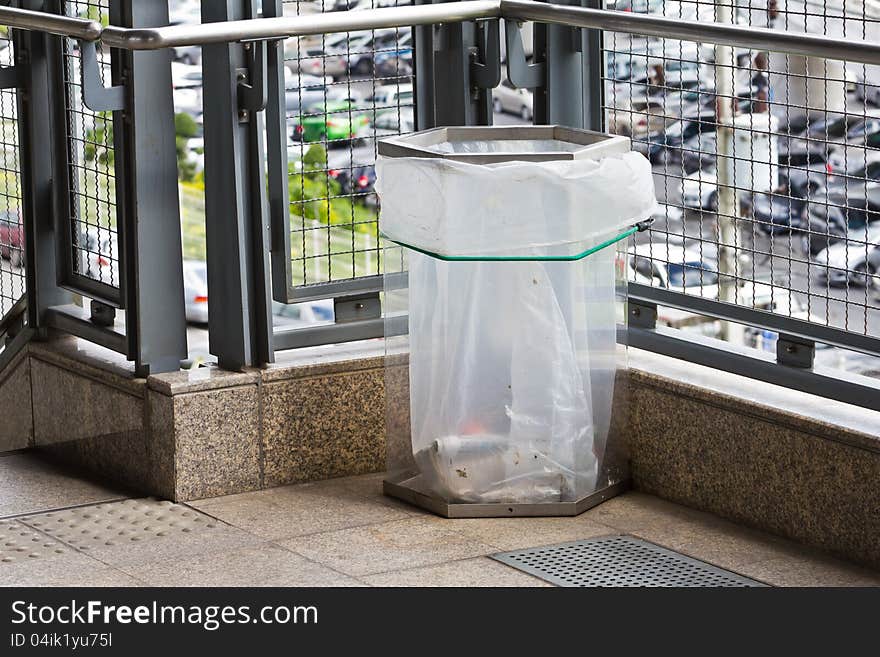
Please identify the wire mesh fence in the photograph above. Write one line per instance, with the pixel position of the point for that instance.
(91, 180)
(343, 92)
(767, 164)
(12, 274)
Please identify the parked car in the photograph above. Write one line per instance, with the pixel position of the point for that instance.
(853, 261)
(867, 92)
(98, 254)
(358, 181)
(507, 98)
(363, 55)
(185, 76)
(397, 62)
(195, 285)
(334, 121)
(391, 95)
(675, 267)
(12, 237)
(313, 60)
(294, 315)
(195, 291)
(302, 90)
(659, 144)
(788, 211)
(699, 191)
(395, 122)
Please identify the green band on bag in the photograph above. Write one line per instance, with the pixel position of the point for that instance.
(511, 258)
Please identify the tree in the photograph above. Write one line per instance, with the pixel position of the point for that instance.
(185, 128)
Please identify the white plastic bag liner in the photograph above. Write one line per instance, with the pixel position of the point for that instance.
(512, 364)
(456, 208)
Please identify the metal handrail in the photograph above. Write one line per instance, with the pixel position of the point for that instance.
(854, 50)
(25, 19)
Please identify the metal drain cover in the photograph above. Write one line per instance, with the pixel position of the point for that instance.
(618, 561)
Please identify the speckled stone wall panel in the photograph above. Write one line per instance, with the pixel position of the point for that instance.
(121, 457)
(399, 432)
(162, 445)
(17, 427)
(216, 442)
(800, 485)
(323, 426)
(69, 406)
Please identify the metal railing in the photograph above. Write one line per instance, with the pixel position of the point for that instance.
(264, 245)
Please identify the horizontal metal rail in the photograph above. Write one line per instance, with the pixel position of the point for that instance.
(25, 19)
(854, 50)
(822, 382)
(282, 27)
(756, 318)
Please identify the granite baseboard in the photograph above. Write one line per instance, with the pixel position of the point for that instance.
(203, 433)
(780, 472)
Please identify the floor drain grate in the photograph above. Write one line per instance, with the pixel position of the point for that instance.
(618, 561)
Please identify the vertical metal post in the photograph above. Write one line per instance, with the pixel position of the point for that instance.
(235, 202)
(36, 97)
(150, 207)
(445, 93)
(276, 160)
(728, 231)
(566, 96)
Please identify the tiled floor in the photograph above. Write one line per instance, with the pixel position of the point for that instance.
(339, 533)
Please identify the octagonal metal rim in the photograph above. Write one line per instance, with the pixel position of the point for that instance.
(595, 145)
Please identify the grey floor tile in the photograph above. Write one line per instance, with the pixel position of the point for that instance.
(396, 545)
(263, 565)
(369, 486)
(695, 533)
(516, 533)
(291, 511)
(799, 569)
(480, 571)
(30, 558)
(31, 484)
(134, 532)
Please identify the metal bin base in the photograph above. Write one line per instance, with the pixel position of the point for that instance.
(409, 491)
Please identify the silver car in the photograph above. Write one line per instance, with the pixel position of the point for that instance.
(507, 98)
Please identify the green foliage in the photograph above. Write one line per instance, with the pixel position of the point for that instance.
(95, 14)
(185, 128)
(99, 141)
(312, 192)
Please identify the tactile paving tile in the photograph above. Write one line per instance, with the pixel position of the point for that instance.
(21, 543)
(120, 523)
(618, 561)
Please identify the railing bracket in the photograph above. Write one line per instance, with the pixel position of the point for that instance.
(795, 352)
(96, 96)
(486, 60)
(520, 73)
(642, 315)
(253, 84)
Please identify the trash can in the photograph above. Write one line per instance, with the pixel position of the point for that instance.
(505, 266)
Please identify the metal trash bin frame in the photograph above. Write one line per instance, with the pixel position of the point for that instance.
(574, 144)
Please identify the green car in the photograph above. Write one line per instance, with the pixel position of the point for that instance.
(339, 119)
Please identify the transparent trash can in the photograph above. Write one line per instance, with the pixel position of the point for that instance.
(505, 267)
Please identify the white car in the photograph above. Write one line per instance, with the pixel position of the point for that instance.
(699, 191)
(395, 122)
(675, 267)
(854, 261)
(98, 255)
(507, 98)
(185, 76)
(391, 96)
(195, 286)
